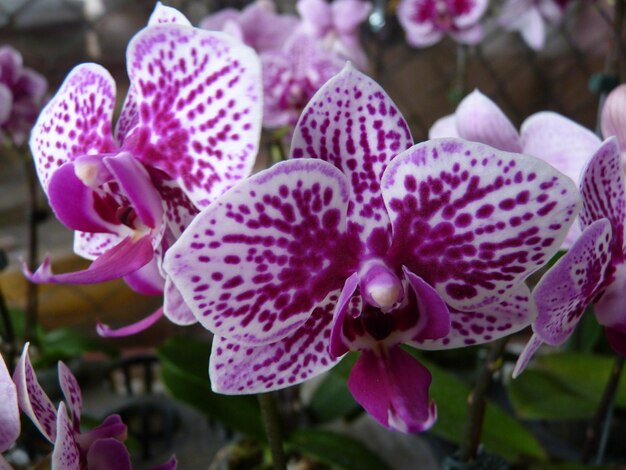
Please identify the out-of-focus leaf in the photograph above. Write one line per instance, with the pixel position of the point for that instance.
(185, 374)
(502, 434)
(66, 343)
(337, 450)
(332, 398)
(563, 386)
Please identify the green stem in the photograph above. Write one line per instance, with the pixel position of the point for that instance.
(271, 420)
(476, 402)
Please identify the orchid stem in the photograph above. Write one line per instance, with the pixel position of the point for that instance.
(602, 420)
(476, 402)
(271, 420)
(458, 89)
(32, 306)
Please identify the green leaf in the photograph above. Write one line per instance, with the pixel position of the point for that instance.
(332, 399)
(337, 450)
(563, 386)
(185, 374)
(66, 343)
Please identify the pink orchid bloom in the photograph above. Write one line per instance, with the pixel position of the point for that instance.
(336, 25)
(9, 413)
(594, 269)
(363, 241)
(188, 130)
(426, 22)
(561, 142)
(258, 25)
(22, 91)
(99, 448)
(531, 18)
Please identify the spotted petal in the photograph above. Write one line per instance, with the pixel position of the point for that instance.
(444, 127)
(473, 221)
(353, 124)
(199, 99)
(613, 120)
(33, 401)
(91, 245)
(238, 368)
(9, 411)
(164, 14)
(71, 392)
(77, 121)
(254, 265)
(174, 306)
(65, 454)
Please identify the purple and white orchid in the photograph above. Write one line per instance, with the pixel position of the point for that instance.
(9, 414)
(426, 22)
(188, 131)
(22, 91)
(363, 242)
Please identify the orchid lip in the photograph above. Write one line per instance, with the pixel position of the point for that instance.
(381, 287)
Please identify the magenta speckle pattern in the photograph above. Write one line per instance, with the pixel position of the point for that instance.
(257, 262)
(76, 122)
(474, 221)
(129, 117)
(198, 96)
(72, 393)
(65, 454)
(91, 245)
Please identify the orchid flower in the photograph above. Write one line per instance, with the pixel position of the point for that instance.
(594, 269)
(188, 130)
(426, 22)
(336, 25)
(258, 25)
(22, 92)
(9, 413)
(364, 242)
(561, 142)
(531, 18)
(99, 448)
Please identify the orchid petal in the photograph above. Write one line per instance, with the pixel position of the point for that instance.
(4, 465)
(71, 392)
(609, 309)
(434, 316)
(237, 368)
(353, 124)
(418, 33)
(107, 332)
(263, 29)
(199, 107)
(616, 339)
(472, 13)
(473, 221)
(444, 127)
(565, 291)
(9, 410)
(560, 141)
(471, 36)
(11, 64)
(524, 358)
(111, 428)
(124, 258)
(480, 120)
(108, 454)
(316, 15)
(77, 121)
(65, 455)
(92, 245)
(175, 308)
(179, 210)
(254, 264)
(147, 280)
(487, 323)
(613, 120)
(6, 103)
(602, 191)
(339, 344)
(129, 116)
(33, 401)
(393, 387)
(164, 14)
(347, 15)
(532, 27)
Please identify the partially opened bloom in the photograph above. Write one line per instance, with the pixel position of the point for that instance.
(364, 242)
(561, 142)
(426, 22)
(9, 413)
(188, 130)
(22, 91)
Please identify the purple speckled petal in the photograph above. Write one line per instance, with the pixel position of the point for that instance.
(392, 386)
(9, 410)
(126, 257)
(108, 454)
(471, 14)
(613, 119)
(147, 280)
(561, 142)
(174, 306)
(199, 99)
(129, 117)
(76, 122)
(339, 344)
(534, 343)
(33, 401)
(179, 210)
(254, 265)
(602, 191)
(92, 245)
(164, 14)
(609, 309)
(107, 332)
(72, 393)
(565, 291)
(353, 124)
(488, 323)
(65, 455)
(434, 316)
(236, 368)
(480, 120)
(474, 221)
(444, 127)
